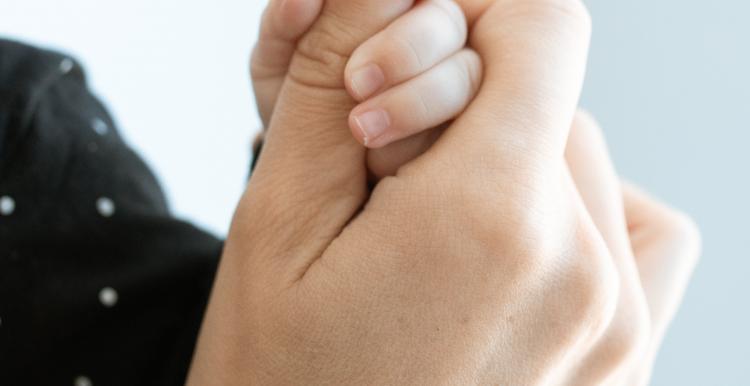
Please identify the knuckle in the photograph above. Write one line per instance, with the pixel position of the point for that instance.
(579, 10)
(574, 10)
(599, 295)
(585, 132)
(569, 12)
(684, 230)
(629, 336)
(405, 53)
(597, 284)
(684, 226)
(317, 62)
(677, 228)
(608, 311)
(584, 120)
(394, 53)
(585, 115)
(454, 14)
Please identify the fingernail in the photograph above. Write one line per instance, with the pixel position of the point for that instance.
(367, 80)
(372, 124)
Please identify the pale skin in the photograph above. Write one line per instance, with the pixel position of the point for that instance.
(502, 249)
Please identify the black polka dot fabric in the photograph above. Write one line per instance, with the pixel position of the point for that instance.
(99, 284)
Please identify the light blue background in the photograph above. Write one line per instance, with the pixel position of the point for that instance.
(669, 81)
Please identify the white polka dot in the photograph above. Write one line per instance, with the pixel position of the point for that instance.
(93, 147)
(7, 205)
(82, 380)
(105, 207)
(99, 126)
(108, 296)
(66, 65)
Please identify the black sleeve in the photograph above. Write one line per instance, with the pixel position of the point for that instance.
(99, 284)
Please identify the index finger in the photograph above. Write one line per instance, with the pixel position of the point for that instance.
(535, 53)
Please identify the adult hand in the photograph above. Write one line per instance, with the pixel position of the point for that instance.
(654, 248)
(477, 263)
(667, 246)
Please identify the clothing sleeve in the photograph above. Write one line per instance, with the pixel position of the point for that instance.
(99, 284)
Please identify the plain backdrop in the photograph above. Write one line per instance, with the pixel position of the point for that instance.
(668, 80)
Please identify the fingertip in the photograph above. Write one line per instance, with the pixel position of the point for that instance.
(370, 126)
(356, 129)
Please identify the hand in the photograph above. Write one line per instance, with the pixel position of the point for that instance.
(667, 245)
(414, 114)
(410, 77)
(467, 261)
(655, 250)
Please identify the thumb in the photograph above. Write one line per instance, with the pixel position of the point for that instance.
(282, 24)
(311, 178)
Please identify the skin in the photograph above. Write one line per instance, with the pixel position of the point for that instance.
(428, 74)
(534, 255)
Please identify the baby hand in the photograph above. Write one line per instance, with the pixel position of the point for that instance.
(412, 76)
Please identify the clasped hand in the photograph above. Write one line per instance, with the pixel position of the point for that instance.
(500, 248)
